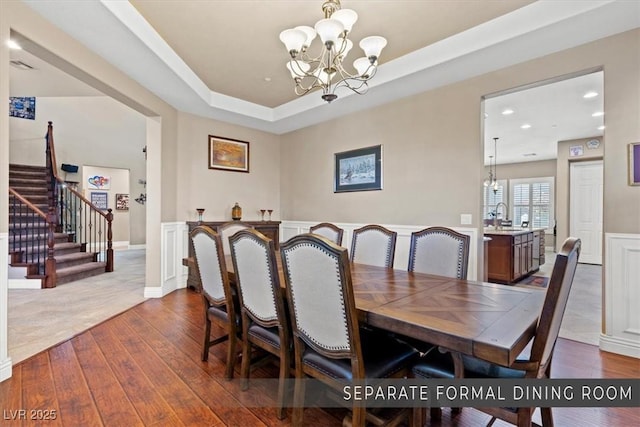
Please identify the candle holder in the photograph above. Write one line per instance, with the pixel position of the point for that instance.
(200, 213)
(262, 211)
(270, 212)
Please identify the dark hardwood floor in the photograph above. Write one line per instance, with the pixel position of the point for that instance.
(143, 368)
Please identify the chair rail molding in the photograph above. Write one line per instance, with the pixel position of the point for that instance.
(172, 249)
(621, 329)
(5, 360)
(288, 229)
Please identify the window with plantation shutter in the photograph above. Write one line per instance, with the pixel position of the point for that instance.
(532, 200)
(491, 199)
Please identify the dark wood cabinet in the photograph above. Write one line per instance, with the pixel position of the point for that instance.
(513, 255)
(270, 229)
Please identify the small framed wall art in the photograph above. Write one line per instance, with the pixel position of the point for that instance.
(122, 202)
(358, 170)
(576, 151)
(100, 200)
(228, 154)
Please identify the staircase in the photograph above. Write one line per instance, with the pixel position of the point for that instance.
(28, 232)
(54, 231)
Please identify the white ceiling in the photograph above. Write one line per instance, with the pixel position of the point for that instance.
(211, 58)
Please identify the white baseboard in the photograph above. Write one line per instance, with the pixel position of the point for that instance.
(141, 246)
(619, 346)
(5, 369)
(153, 292)
(25, 284)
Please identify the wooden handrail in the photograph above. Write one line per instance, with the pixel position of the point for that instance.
(54, 163)
(28, 203)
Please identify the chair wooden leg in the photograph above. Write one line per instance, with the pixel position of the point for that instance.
(231, 354)
(207, 337)
(436, 413)
(547, 417)
(524, 417)
(298, 402)
(418, 416)
(284, 374)
(245, 364)
(359, 416)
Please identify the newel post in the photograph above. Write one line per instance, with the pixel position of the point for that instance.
(109, 267)
(50, 265)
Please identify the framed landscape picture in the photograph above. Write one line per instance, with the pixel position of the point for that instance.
(228, 154)
(358, 170)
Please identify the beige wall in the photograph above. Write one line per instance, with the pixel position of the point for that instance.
(432, 149)
(431, 166)
(525, 169)
(215, 190)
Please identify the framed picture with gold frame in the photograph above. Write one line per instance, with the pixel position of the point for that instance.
(228, 154)
(634, 163)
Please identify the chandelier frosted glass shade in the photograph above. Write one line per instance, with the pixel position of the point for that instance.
(326, 71)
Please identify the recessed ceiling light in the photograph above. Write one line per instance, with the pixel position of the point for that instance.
(267, 79)
(600, 127)
(525, 126)
(13, 45)
(590, 94)
(507, 111)
(598, 114)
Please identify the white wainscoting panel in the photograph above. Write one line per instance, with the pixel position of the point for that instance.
(288, 229)
(622, 294)
(171, 253)
(5, 360)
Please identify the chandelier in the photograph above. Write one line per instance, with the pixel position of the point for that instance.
(492, 181)
(326, 71)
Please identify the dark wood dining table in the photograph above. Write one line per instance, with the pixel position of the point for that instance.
(489, 321)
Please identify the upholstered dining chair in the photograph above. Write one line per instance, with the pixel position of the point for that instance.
(440, 251)
(220, 307)
(227, 230)
(536, 364)
(329, 344)
(264, 320)
(328, 230)
(373, 245)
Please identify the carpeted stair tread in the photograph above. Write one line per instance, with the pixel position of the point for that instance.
(81, 271)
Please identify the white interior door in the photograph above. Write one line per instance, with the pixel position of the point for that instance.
(585, 208)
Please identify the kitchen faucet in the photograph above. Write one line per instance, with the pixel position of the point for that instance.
(496, 222)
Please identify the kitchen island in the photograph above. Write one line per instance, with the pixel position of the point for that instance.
(514, 253)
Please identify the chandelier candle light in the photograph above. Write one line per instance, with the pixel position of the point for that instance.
(492, 182)
(326, 71)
